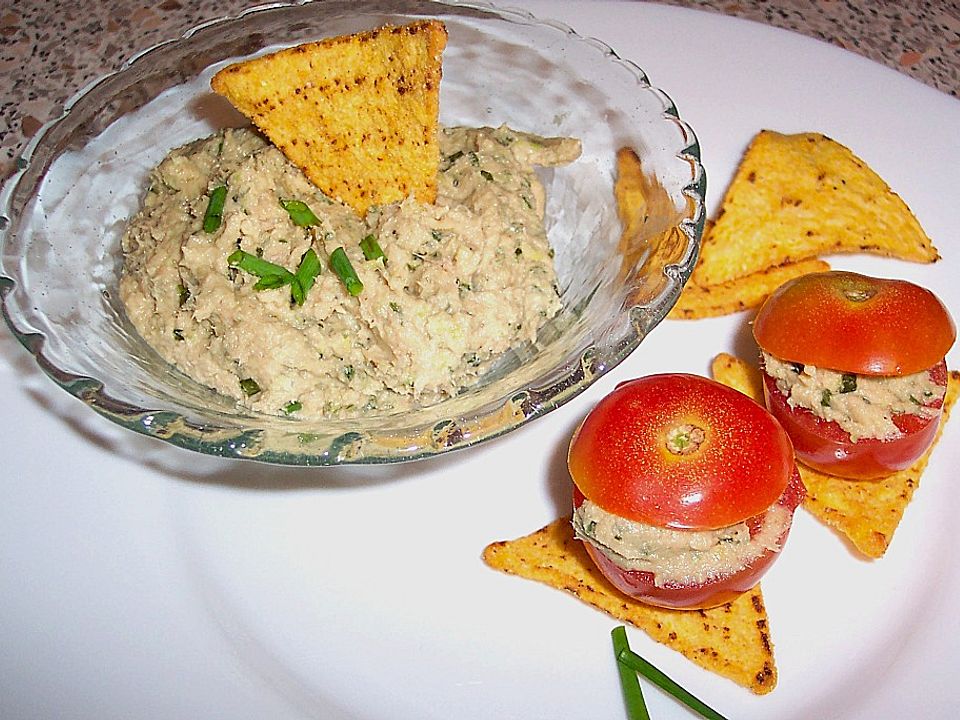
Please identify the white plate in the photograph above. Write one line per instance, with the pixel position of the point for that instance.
(139, 580)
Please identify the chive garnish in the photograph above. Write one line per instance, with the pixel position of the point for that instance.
(271, 282)
(340, 264)
(300, 213)
(629, 682)
(273, 276)
(307, 273)
(292, 407)
(214, 214)
(371, 248)
(249, 386)
(848, 383)
(257, 266)
(629, 659)
(825, 398)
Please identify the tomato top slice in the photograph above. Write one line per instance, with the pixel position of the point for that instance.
(680, 451)
(855, 323)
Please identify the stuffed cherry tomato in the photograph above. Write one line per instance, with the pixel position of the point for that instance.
(684, 490)
(854, 370)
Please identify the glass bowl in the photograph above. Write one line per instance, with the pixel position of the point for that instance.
(83, 176)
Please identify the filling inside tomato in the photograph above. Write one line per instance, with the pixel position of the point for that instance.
(680, 557)
(864, 406)
(716, 577)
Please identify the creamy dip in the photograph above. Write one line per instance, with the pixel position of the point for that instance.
(678, 556)
(459, 282)
(863, 405)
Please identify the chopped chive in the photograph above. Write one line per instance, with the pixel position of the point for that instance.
(629, 683)
(214, 214)
(183, 294)
(628, 658)
(300, 213)
(371, 248)
(273, 276)
(292, 407)
(307, 272)
(848, 383)
(825, 398)
(249, 387)
(271, 282)
(178, 334)
(257, 266)
(486, 175)
(340, 264)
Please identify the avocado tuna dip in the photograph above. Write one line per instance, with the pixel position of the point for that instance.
(243, 275)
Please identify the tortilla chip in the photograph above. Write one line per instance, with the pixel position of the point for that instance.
(630, 191)
(732, 640)
(698, 301)
(735, 373)
(648, 241)
(869, 511)
(357, 113)
(800, 196)
(865, 512)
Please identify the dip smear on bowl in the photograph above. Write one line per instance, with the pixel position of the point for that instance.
(458, 283)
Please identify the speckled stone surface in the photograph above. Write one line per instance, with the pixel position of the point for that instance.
(49, 49)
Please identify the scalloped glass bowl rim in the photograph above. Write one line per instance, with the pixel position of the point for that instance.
(244, 441)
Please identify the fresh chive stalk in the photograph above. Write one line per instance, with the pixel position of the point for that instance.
(371, 248)
(629, 659)
(340, 264)
(629, 683)
(214, 214)
(300, 213)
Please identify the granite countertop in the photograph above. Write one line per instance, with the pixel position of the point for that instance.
(49, 49)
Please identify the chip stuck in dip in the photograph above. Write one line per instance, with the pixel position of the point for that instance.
(853, 368)
(684, 490)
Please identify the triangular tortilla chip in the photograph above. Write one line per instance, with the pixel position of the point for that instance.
(866, 512)
(357, 113)
(800, 196)
(732, 640)
(740, 294)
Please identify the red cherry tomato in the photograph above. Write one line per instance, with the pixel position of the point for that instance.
(716, 591)
(624, 456)
(854, 323)
(827, 447)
